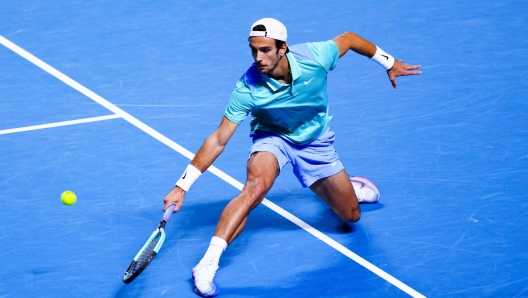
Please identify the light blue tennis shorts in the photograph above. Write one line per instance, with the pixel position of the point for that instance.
(311, 162)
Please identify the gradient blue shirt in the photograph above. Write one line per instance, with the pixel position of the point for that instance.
(298, 111)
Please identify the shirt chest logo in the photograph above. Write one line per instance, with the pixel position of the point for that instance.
(308, 82)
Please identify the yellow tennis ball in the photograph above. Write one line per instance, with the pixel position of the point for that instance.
(68, 198)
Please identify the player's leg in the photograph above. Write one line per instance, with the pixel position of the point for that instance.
(317, 166)
(262, 169)
(239, 230)
(337, 191)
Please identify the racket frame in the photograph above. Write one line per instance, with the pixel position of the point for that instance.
(160, 229)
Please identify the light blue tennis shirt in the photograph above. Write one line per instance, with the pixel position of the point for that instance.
(298, 111)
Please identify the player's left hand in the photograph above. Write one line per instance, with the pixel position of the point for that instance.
(402, 69)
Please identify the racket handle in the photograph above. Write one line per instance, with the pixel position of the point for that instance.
(168, 213)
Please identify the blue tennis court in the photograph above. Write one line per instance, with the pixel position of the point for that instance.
(110, 99)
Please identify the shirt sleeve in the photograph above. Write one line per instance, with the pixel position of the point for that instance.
(240, 103)
(326, 53)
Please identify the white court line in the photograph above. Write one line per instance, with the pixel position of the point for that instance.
(212, 169)
(58, 124)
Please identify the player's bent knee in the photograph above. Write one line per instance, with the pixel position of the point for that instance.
(356, 216)
(352, 215)
(254, 194)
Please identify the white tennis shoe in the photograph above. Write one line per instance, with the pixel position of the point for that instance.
(366, 191)
(204, 275)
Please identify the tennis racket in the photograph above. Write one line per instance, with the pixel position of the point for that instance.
(149, 250)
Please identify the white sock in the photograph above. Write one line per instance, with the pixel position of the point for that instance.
(215, 250)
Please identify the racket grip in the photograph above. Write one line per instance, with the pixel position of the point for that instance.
(168, 212)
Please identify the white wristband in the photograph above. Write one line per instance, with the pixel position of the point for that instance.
(384, 59)
(190, 175)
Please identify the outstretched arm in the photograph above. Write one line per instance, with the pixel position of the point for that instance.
(212, 147)
(351, 41)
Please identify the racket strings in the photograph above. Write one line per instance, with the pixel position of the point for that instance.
(146, 254)
(144, 257)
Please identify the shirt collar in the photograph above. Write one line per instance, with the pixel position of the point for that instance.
(294, 66)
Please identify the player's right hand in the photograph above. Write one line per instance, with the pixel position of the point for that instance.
(402, 69)
(174, 197)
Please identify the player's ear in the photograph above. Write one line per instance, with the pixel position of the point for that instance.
(283, 49)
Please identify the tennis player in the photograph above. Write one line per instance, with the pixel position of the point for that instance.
(285, 91)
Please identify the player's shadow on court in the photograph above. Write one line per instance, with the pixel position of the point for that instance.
(347, 279)
(300, 202)
(208, 214)
(314, 211)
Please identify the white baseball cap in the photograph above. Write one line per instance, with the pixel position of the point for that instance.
(274, 29)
